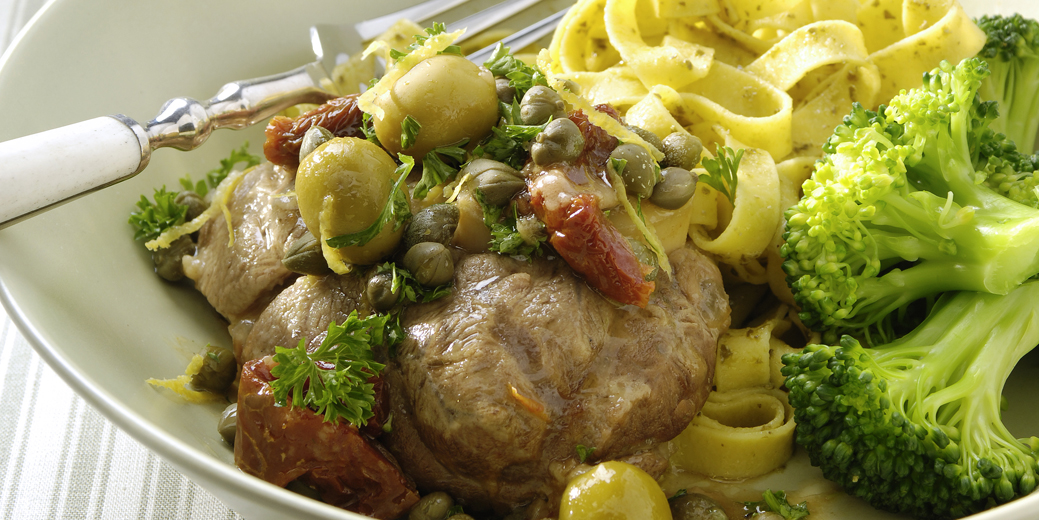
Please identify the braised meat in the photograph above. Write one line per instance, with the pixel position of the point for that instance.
(345, 466)
(496, 386)
(234, 277)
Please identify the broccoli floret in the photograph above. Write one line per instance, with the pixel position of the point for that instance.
(896, 212)
(914, 425)
(1012, 52)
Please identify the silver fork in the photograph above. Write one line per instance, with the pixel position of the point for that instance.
(100, 152)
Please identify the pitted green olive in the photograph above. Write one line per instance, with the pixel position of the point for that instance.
(694, 506)
(639, 169)
(682, 150)
(315, 136)
(195, 203)
(169, 261)
(433, 506)
(614, 490)
(304, 256)
(498, 187)
(437, 223)
(647, 257)
(539, 104)
(227, 426)
(676, 187)
(506, 92)
(560, 141)
(379, 291)
(341, 188)
(452, 98)
(217, 371)
(646, 136)
(430, 263)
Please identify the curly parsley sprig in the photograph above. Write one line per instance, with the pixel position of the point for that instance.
(152, 218)
(721, 171)
(333, 379)
(506, 237)
(521, 76)
(409, 287)
(215, 176)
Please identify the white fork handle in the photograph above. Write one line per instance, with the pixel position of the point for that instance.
(42, 170)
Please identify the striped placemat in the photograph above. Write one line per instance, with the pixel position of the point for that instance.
(59, 458)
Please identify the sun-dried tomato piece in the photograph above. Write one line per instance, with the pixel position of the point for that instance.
(593, 247)
(597, 144)
(285, 136)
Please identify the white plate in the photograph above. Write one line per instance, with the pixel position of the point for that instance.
(82, 291)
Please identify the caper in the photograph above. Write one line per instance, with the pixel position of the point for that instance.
(531, 229)
(498, 187)
(430, 263)
(694, 506)
(560, 141)
(646, 256)
(675, 188)
(540, 104)
(433, 506)
(506, 92)
(637, 168)
(227, 427)
(304, 256)
(217, 371)
(297, 486)
(315, 136)
(380, 292)
(437, 223)
(195, 203)
(646, 136)
(682, 150)
(169, 261)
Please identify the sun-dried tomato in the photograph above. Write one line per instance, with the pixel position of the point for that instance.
(597, 144)
(593, 247)
(285, 136)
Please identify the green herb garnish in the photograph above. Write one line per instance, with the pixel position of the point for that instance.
(153, 218)
(721, 171)
(776, 502)
(420, 40)
(333, 379)
(440, 165)
(583, 452)
(413, 291)
(506, 238)
(409, 128)
(397, 210)
(369, 129)
(521, 76)
(508, 144)
(215, 176)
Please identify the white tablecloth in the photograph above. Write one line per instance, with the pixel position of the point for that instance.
(59, 458)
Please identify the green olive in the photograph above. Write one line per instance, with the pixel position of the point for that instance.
(498, 185)
(694, 506)
(540, 104)
(217, 372)
(195, 203)
(506, 92)
(437, 223)
(614, 491)
(304, 256)
(379, 291)
(639, 169)
(315, 136)
(344, 185)
(430, 263)
(227, 427)
(561, 141)
(677, 185)
(647, 136)
(452, 98)
(169, 262)
(645, 256)
(433, 506)
(681, 149)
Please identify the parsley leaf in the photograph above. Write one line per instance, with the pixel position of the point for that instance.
(215, 176)
(509, 144)
(369, 129)
(440, 165)
(506, 238)
(521, 76)
(413, 291)
(152, 218)
(333, 380)
(721, 171)
(420, 40)
(409, 128)
(583, 452)
(397, 210)
(776, 502)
